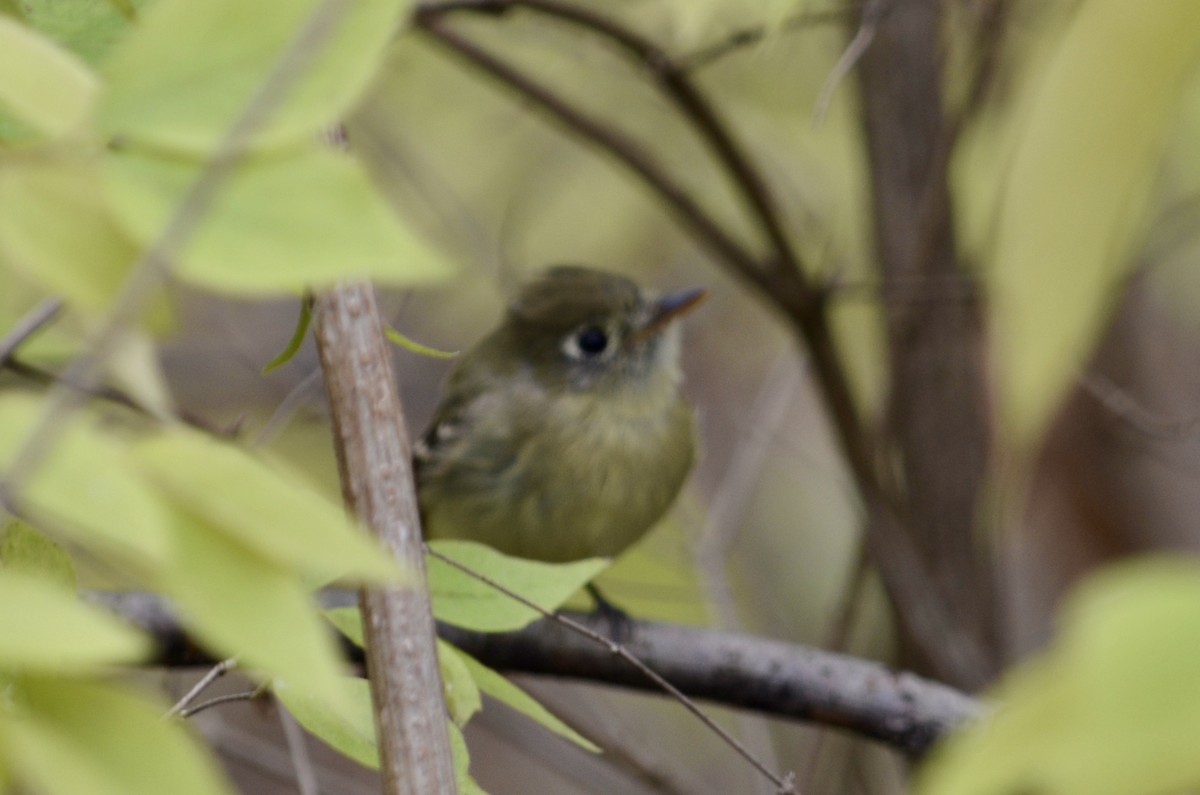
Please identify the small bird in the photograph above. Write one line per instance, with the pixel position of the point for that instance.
(563, 433)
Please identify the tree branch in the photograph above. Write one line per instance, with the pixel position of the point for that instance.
(375, 464)
(901, 710)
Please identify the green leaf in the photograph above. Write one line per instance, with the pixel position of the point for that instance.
(351, 731)
(348, 621)
(298, 336)
(87, 28)
(88, 486)
(462, 763)
(504, 691)
(42, 83)
(1093, 133)
(462, 694)
(56, 229)
(76, 737)
(240, 604)
(413, 346)
(189, 69)
(25, 550)
(1108, 710)
(43, 627)
(280, 224)
(263, 506)
(465, 601)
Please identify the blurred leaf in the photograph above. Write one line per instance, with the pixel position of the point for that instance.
(351, 732)
(43, 627)
(1093, 132)
(462, 763)
(462, 693)
(298, 336)
(73, 737)
(281, 224)
(463, 600)
(242, 605)
(413, 346)
(348, 621)
(135, 369)
(258, 503)
(1109, 710)
(43, 84)
(25, 550)
(57, 230)
(87, 28)
(88, 486)
(504, 691)
(188, 70)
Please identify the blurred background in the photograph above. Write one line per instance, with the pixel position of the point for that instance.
(767, 537)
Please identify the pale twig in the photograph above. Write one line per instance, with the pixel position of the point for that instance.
(867, 27)
(214, 673)
(727, 509)
(784, 784)
(1125, 407)
(33, 322)
(306, 776)
(217, 701)
(150, 272)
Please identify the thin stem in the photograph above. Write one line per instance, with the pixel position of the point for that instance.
(785, 783)
(214, 673)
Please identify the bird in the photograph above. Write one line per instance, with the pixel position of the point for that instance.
(563, 434)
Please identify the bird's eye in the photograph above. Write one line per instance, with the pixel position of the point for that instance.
(592, 341)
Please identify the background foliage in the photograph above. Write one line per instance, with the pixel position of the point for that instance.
(1068, 167)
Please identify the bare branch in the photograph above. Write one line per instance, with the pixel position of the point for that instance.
(904, 711)
(375, 463)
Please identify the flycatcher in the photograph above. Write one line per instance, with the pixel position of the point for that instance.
(563, 433)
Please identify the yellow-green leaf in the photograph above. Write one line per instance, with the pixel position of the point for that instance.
(57, 230)
(25, 550)
(42, 83)
(281, 224)
(78, 737)
(1093, 131)
(411, 345)
(348, 621)
(88, 486)
(350, 732)
(465, 601)
(262, 505)
(462, 694)
(240, 604)
(43, 627)
(299, 334)
(189, 69)
(504, 691)
(1108, 710)
(462, 763)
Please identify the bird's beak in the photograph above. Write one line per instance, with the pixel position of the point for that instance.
(668, 308)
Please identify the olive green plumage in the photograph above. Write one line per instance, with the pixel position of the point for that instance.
(563, 433)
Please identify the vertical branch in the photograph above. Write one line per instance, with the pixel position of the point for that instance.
(936, 421)
(376, 470)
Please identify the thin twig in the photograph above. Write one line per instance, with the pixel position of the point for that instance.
(709, 54)
(867, 26)
(302, 766)
(149, 273)
(216, 701)
(214, 673)
(679, 88)
(694, 217)
(784, 784)
(33, 322)
(1125, 407)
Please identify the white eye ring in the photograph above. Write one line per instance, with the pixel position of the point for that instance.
(590, 342)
